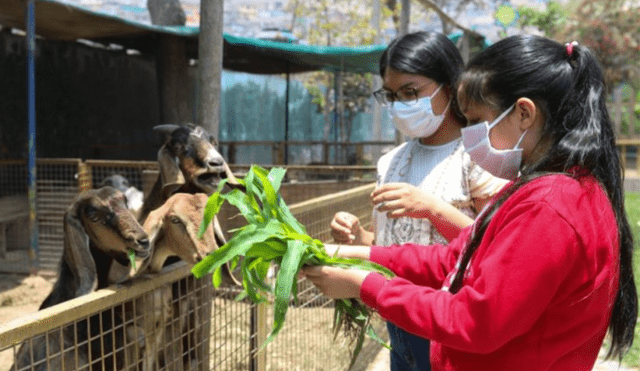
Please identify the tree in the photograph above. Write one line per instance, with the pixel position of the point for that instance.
(339, 23)
(166, 12)
(610, 27)
(450, 10)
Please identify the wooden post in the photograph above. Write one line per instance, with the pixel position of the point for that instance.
(405, 17)
(173, 80)
(632, 114)
(617, 115)
(210, 54)
(465, 46)
(259, 331)
(84, 177)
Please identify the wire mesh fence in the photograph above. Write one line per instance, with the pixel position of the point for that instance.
(56, 187)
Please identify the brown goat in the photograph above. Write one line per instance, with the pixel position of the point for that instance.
(98, 229)
(166, 312)
(189, 163)
(173, 230)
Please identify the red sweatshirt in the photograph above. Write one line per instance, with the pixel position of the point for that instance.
(537, 294)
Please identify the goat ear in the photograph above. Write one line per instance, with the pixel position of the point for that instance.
(154, 226)
(77, 253)
(154, 223)
(172, 178)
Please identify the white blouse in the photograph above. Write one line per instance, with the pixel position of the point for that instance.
(445, 171)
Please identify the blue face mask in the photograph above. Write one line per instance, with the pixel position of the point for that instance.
(417, 120)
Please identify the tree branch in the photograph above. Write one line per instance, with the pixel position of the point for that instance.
(444, 16)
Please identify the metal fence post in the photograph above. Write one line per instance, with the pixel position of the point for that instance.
(30, 20)
(84, 177)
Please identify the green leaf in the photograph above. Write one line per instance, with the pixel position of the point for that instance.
(284, 215)
(251, 287)
(238, 245)
(216, 277)
(371, 332)
(267, 250)
(269, 201)
(243, 203)
(358, 347)
(214, 203)
(132, 257)
(284, 283)
(275, 176)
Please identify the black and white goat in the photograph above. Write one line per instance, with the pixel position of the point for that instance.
(189, 163)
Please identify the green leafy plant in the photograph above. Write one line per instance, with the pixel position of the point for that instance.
(132, 257)
(274, 236)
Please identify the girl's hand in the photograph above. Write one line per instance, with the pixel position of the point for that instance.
(403, 199)
(336, 283)
(346, 229)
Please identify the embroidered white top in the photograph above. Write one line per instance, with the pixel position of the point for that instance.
(445, 171)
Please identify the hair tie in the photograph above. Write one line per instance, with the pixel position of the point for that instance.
(570, 47)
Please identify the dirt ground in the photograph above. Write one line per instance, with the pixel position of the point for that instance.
(21, 294)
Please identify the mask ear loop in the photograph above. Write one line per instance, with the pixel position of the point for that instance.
(436, 92)
(502, 115)
(520, 140)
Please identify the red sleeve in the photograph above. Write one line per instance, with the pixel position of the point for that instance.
(523, 259)
(422, 265)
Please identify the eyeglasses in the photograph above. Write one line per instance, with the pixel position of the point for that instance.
(407, 96)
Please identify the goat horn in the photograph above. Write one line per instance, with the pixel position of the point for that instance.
(166, 129)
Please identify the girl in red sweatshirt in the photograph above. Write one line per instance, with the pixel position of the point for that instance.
(545, 271)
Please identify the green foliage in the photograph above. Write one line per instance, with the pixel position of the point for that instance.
(549, 21)
(273, 235)
(132, 257)
(611, 28)
(343, 23)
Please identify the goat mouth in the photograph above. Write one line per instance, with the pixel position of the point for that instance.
(210, 179)
(142, 253)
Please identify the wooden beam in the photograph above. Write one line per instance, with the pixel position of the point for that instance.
(210, 65)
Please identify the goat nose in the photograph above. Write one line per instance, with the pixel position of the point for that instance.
(215, 162)
(143, 242)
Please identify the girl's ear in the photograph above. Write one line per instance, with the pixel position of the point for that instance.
(527, 113)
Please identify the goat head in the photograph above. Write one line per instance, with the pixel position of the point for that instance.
(98, 228)
(173, 231)
(189, 161)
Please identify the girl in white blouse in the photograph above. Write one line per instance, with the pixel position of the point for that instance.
(428, 187)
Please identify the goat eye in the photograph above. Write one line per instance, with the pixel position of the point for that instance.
(175, 220)
(92, 213)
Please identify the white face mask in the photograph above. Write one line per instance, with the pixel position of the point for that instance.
(418, 120)
(503, 163)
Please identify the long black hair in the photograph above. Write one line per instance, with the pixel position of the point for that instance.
(567, 85)
(429, 54)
